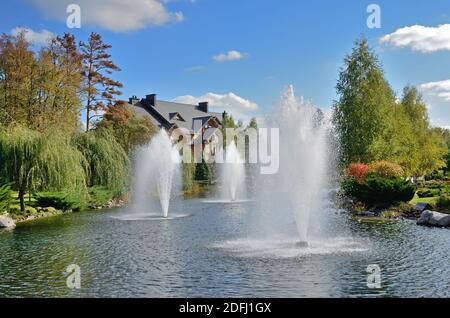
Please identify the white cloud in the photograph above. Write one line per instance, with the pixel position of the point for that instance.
(440, 89)
(232, 103)
(420, 38)
(113, 15)
(37, 38)
(230, 56)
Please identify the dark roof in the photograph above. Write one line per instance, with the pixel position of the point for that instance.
(167, 114)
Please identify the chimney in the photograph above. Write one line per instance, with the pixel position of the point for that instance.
(203, 107)
(151, 99)
(134, 100)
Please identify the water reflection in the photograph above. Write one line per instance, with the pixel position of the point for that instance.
(212, 253)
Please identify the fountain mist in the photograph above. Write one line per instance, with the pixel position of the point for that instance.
(298, 191)
(233, 174)
(156, 174)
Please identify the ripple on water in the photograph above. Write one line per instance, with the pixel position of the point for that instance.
(148, 217)
(289, 248)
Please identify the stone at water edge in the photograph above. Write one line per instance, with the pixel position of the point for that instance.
(6, 222)
(431, 218)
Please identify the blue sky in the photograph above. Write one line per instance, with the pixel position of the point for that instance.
(180, 47)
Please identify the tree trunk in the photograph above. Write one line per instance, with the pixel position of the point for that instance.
(22, 200)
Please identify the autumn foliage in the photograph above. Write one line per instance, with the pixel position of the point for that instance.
(358, 171)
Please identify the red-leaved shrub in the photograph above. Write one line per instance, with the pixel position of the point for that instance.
(358, 171)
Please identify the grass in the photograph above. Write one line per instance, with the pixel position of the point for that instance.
(432, 201)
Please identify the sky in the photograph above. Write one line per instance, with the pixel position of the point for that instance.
(240, 54)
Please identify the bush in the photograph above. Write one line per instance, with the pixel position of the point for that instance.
(62, 201)
(15, 209)
(30, 210)
(444, 203)
(377, 190)
(202, 172)
(5, 198)
(386, 169)
(427, 193)
(358, 171)
(100, 196)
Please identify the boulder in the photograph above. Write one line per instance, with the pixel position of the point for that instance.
(421, 206)
(7, 222)
(431, 218)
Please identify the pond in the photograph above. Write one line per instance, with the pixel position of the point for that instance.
(209, 252)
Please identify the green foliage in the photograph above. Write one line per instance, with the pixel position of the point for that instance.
(188, 175)
(129, 129)
(378, 190)
(427, 193)
(364, 98)
(202, 171)
(253, 124)
(100, 196)
(5, 197)
(444, 202)
(373, 126)
(34, 161)
(107, 163)
(63, 201)
(30, 210)
(15, 209)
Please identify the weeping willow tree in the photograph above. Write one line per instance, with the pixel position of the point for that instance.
(33, 161)
(107, 162)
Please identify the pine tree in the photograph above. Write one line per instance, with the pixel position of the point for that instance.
(100, 90)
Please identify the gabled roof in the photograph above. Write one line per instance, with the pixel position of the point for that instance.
(169, 114)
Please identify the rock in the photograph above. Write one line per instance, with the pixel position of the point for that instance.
(367, 214)
(431, 218)
(420, 207)
(7, 222)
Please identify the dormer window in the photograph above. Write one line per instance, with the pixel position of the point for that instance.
(176, 116)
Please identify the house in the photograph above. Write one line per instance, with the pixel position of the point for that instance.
(195, 119)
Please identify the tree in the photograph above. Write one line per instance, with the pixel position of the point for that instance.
(129, 129)
(227, 122)
(430, 153)
(253, 123)
(39, 90)
(107, 163)
(202, 171)
(33, 161)
(364, 98)
(99, 89)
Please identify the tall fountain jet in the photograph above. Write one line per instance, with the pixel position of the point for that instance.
(298, 188)
(233, 174)
(157, 174)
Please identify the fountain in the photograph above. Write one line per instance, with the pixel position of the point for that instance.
(298, 191)
(233, 174)
(156, 174)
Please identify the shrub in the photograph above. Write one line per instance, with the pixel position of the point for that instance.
(358, 171)
(99, 196)
(30, 210)
(444, 203)
(377, 190)
(202, 172)
(386, 169)
(15, 209)
(62, 201)
(5, 198)
(427, 193)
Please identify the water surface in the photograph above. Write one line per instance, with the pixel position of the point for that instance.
(208, 252)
